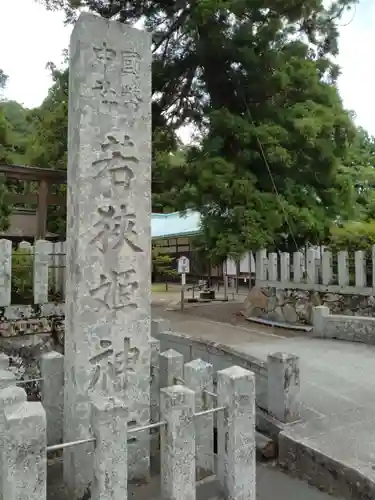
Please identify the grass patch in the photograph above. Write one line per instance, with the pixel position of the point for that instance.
(159, 287)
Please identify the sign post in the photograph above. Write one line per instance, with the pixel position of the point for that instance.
(183, 269)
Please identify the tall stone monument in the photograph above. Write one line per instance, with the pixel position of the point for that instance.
(108, 287)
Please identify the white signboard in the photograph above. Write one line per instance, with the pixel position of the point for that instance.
(183, 265)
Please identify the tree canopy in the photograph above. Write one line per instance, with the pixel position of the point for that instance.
(279, 159)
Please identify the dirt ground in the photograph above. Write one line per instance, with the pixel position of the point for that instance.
(218, 312)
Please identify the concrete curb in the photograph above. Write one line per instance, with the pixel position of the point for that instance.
(322, 471)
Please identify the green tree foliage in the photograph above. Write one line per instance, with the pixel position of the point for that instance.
(47, 146)
(4, 158)
(353, 236)
(162, 267)
(48, 143)
(256, 78)
(358, 170)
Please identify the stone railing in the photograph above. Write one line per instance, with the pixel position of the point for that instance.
(343, 327)
(277, 380)
(183, 406)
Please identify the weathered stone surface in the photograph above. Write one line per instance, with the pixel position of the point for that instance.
(289, 313)
(4, 361)
(171, 367)
(24, 458)
(198, 377)
(109, 425)
(52, 373)
(255, 299)
(177, 406)
(296, 306)
(10, 397)
(40, 271)
(236, 433)
(7, 379)
(155, 380)
(108, 290)
(283, 386)
(5, 272)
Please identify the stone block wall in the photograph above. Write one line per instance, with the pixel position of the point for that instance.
(295, 306)
(341, 327)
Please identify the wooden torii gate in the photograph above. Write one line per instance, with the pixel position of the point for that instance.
(45, 178)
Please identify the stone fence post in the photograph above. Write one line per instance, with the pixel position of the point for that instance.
(109, 424)
(177, 407)
(41, 264)
(159, 325)
(10, 397)
(24, 454)
(52, 372)
(236, 433)
(198, 377)
(7, 379)
(171, 367)
(320, 313)
(283, 386)
(5, 272)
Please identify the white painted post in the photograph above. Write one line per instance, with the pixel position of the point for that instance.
(236, 433)
(343, 268)
(360, 268)
(311, 266)
(52, 373)
(272, 266)
(177, 443)
(41, 260)
(260, 268)
(171, 365)
(198, 377)
(327, 268)
(109, 419)
(25, 246)
(297, 267)
(283, 382)
(5, 272)
(284, 267)
(24, 456)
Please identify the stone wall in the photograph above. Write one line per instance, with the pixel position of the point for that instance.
(26, 332)
(294, 306)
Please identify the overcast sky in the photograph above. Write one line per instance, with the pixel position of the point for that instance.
(30, 36)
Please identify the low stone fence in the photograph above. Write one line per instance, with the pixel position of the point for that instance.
(342, 327)
(277, 380)
(183, 406)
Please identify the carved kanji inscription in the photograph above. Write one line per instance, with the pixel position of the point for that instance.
(131, 93)
(111, 367)
(130, 62)
(116, 290)
(106, 57)
(109, 95)
(115, 228)
(104, 53)
(117, 159)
